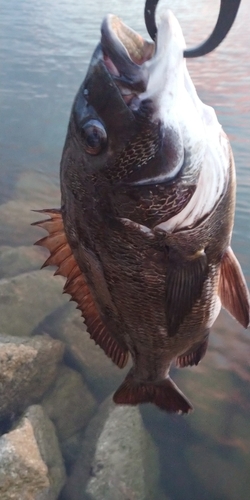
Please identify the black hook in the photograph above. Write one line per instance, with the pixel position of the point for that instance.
(149, 16)
(227, 14)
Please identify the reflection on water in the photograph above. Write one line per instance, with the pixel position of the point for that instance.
(46, 47)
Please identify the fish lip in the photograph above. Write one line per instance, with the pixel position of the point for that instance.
(124, 53)
(141, 69)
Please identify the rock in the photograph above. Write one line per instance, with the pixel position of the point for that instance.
(37, 188)
(17, 260)
(69, 404)
(71, 448)
(28, 368)
(27, 299)
(82, 353)
(46, 438)
(118, 459)
(31, 466)
(16, 217)
(33, 191)
(23, 474)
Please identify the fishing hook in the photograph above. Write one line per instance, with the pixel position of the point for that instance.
(227, 14)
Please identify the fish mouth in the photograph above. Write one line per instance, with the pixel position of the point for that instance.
(138, 67)
(118, 39)
(125, 53)
(149, 77)
(155, 74)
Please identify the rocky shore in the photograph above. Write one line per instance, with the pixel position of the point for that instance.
(57, 440)
(61, 435)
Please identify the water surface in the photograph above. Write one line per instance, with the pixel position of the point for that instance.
(46, 48)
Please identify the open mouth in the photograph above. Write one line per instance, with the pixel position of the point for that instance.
(125, 41)
(124, 55)
(147, 75)
(141, 68)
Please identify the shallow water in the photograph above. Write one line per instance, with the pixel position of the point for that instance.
(46, 48)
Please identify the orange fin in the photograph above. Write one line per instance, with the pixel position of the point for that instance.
(164, 394)
(191, 358)
(233, 290)
(62, 257)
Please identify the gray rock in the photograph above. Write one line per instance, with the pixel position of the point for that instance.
(71, 448)
(33, 192)
(23, 474)
(69, 404)
(37, 188)
(118, 459)
(28, 298)
(28, 368)
(16, 217)
(17, 260)
(31, 466)
(82, 353)
(46, 438)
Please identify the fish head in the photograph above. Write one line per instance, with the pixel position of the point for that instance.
(139, 136)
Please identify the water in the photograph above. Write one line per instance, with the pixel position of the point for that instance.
(46, 47)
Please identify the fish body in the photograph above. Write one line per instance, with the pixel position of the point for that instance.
(148, 199)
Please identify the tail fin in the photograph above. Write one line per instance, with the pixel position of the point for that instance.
(164, 394)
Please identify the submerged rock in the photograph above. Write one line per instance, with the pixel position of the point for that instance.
(16, 217)
(118, 459)
(33, 191)
(28, 368)
(17, 260)
(82, 353)
(31, 466)
(69, 404)
(28, 298)
(71, 448)
(37, 188)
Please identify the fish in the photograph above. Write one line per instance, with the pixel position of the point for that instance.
(143, 234)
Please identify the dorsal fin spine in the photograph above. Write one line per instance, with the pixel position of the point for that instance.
(61, 256)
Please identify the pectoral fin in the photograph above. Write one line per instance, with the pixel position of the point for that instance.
(184, 284)
(61, 256)
(233, 290)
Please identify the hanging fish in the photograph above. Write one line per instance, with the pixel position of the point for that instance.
(148, 200)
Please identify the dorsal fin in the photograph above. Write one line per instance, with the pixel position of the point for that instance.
(233, 290)
(61, 256)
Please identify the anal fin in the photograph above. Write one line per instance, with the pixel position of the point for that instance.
(61, 256)
(194, 356)
(233, 290)
(164, 394)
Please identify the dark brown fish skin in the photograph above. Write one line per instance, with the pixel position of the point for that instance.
(133, 268)
(154, 291)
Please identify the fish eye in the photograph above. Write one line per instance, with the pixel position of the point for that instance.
(94, 136)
